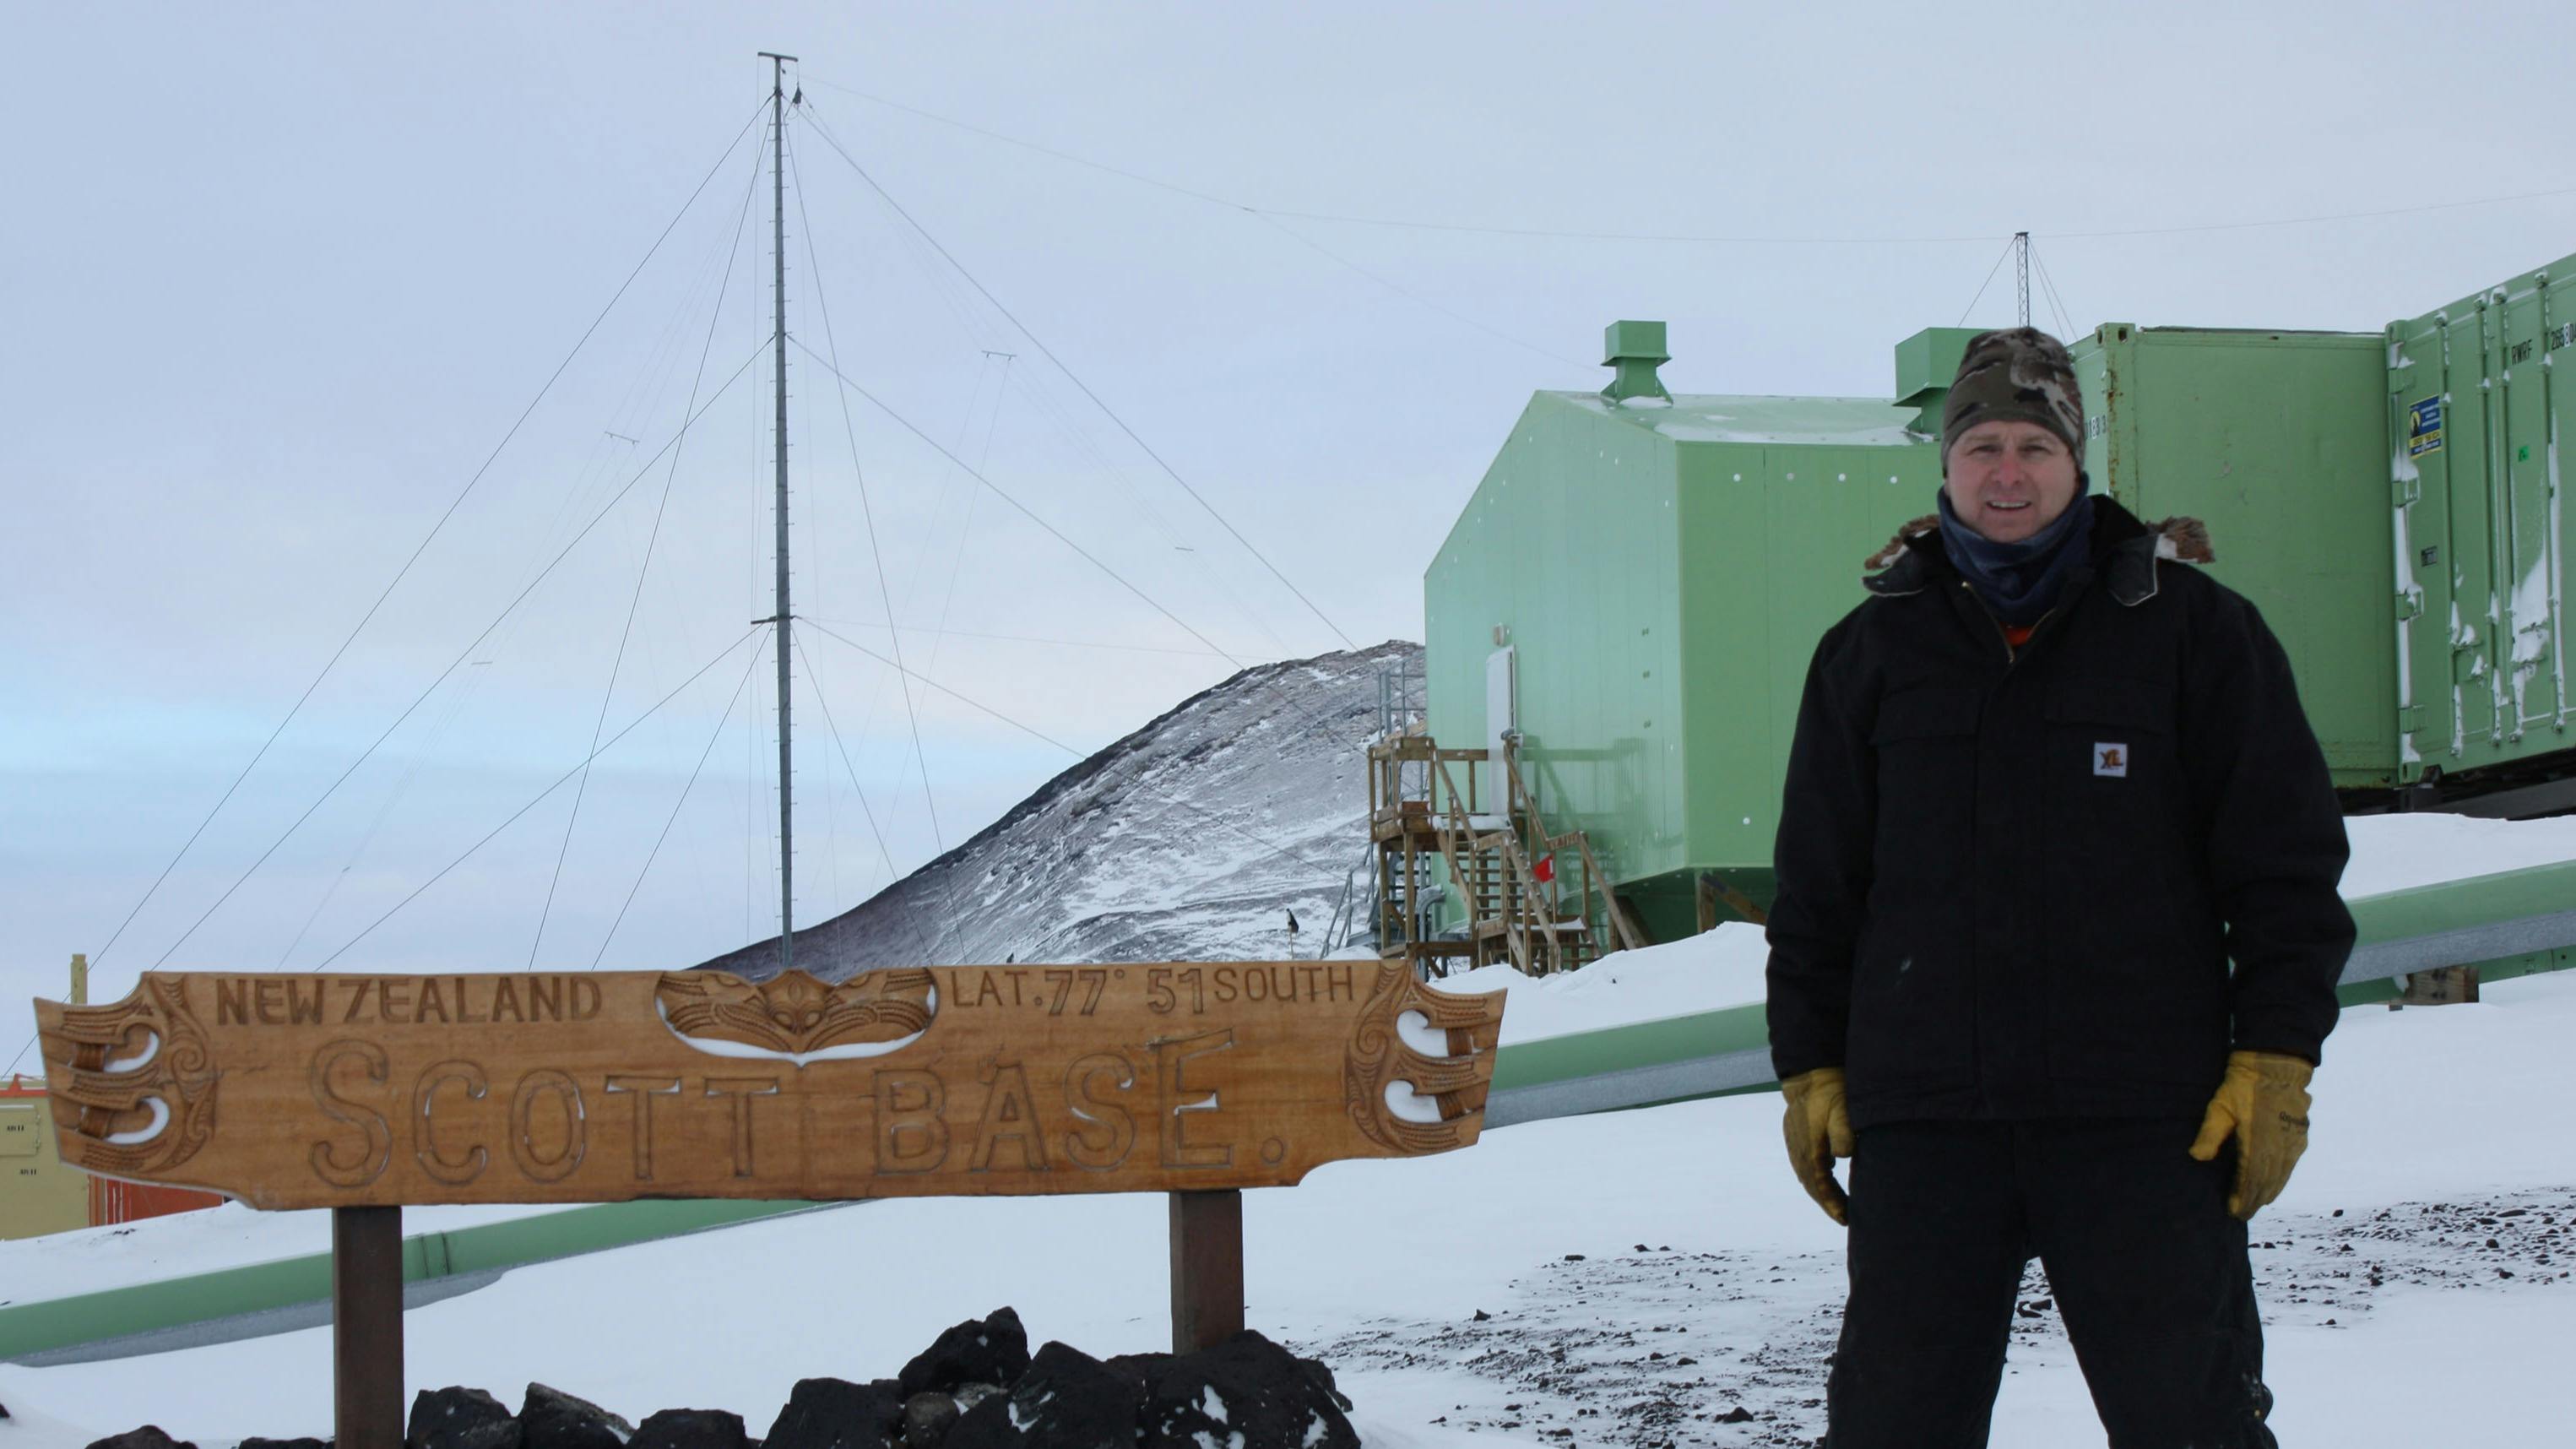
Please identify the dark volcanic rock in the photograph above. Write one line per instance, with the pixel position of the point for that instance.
(994, 1351)
(457, 1418)
(690, 1429)
(549, 1418)
(256, 1442)
(927, 1418)
(1138, 1365)
(147, 1437)
(1246, 1391)
(1066, 1400)
(969, 1395)
(837, 1414)
(1322, 1373)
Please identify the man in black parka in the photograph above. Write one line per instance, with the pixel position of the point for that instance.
(2048, 783)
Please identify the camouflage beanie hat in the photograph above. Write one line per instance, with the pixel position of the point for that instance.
(2020, 374)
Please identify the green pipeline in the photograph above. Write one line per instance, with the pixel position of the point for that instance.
(2423, 911)
(2397, 916)
(201, 1297)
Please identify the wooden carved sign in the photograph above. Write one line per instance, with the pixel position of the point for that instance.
(347, 1091)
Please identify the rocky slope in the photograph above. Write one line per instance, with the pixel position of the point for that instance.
(1192, 838)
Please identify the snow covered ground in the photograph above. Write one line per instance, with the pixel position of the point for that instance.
(2393, 852)
(1635, 1278)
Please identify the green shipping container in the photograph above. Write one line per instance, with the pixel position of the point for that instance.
(2277, 441)
(2475, 419)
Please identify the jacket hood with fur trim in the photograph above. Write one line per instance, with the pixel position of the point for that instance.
(2126, 552)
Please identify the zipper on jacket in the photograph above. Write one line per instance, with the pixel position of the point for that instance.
(2012, 656)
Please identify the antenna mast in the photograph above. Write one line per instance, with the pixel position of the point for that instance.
(781, 641)
(2021, 277)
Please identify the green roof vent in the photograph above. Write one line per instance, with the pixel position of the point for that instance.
(1926, 364)
(1635, 349)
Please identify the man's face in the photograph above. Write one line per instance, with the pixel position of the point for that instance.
(2008, 480)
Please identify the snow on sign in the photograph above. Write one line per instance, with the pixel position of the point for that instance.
(370, 1091)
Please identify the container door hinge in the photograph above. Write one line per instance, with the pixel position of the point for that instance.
(2410, 719)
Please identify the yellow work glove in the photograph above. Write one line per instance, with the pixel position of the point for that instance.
(1819, 1130)
(2262, 1102)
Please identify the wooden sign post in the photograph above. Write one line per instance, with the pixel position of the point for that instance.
(1207, 1268)
(365, 1093)
(367, 1327)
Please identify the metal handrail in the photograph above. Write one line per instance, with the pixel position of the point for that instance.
(1522, 798)
(1462, 826)
(1619, 925)
(1347, 908)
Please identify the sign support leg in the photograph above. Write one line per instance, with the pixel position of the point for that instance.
(367, 1327)
(1207, 1268)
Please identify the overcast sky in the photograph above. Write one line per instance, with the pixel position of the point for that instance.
(278, 279)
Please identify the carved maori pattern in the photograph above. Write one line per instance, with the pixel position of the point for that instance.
(94, 1102)
(1378, 1057)
(795, 1013)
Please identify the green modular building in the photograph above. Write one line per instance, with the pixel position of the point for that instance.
(1636, 586)
(1638, 581)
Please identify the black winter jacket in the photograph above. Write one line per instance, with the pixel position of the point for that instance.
(2011, 886)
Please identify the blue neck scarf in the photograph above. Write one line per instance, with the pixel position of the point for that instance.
(2020, 582)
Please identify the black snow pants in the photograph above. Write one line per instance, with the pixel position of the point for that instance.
(2149, 1273)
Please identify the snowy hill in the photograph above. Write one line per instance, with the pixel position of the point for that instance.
(1190, 839)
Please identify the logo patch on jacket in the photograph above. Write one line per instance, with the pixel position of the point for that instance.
(2111, 759)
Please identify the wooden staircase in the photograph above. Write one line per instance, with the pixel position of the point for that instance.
(1533, 897)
